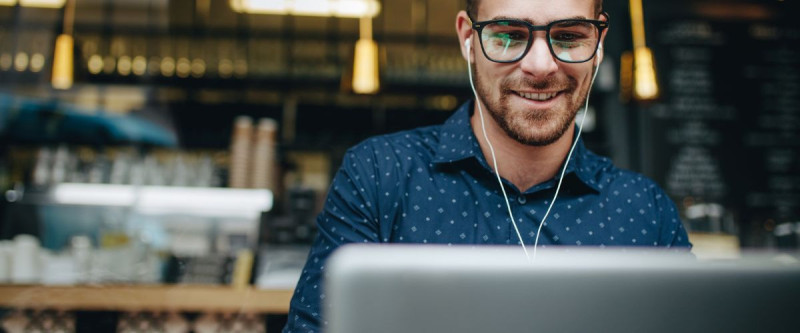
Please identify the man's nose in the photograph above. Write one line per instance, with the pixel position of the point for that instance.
(539, 62)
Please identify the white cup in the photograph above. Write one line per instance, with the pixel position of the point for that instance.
(25, 265)
(58, 269)
(82, 254)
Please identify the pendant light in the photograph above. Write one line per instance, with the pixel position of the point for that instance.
(366, 78)
(64, 49)
(645, 83)
(34, 3)
(331, 8)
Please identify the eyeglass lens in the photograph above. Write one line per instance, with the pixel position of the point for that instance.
(570, 41)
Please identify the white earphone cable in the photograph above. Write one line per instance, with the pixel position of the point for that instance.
(566, 163)
(491, 150)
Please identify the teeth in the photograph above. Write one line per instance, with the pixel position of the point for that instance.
(537, 96)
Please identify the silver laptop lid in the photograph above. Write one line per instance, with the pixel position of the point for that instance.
(414, 288)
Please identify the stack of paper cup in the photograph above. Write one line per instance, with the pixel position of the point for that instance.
(263, 171)
(240, 152)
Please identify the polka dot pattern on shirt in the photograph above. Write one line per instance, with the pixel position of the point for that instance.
(433, 185)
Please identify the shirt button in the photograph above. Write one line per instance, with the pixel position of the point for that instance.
(521, 199)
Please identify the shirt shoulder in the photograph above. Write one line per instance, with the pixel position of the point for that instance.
(606, 175)
(634, 197)
(619, 183)
(616, 182)
(414, 144)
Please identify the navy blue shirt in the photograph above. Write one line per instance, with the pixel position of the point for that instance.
(433, 185)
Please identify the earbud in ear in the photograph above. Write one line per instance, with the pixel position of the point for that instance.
(468, 43)
(597, 54)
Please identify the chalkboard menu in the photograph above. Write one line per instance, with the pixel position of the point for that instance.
(726, 129)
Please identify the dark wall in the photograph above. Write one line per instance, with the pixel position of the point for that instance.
(726, 129)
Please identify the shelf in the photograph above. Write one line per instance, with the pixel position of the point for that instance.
(184, 298)
(220, 202)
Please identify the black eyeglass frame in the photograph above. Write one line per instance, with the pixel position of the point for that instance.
(600, 25)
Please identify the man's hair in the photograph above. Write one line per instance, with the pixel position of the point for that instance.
(472, 8)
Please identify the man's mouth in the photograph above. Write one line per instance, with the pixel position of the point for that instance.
(544, 96)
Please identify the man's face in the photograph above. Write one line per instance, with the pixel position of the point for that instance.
(535, 99)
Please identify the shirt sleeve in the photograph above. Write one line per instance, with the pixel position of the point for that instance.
(673, 234)
(347, 217)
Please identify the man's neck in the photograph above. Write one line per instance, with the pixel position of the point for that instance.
(523, 165)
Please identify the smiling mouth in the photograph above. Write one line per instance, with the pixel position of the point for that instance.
(537, 96)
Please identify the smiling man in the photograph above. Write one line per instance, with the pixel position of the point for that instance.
(532, 79)
(508, 168)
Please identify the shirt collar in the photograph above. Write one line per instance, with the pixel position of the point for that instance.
(457, 143)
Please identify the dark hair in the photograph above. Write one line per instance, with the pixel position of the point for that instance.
(472, 8)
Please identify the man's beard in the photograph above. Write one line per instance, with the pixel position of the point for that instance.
(518, 128)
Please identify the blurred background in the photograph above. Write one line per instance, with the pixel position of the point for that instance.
(172, 141)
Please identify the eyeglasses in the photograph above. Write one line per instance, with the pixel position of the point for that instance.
(570, 41)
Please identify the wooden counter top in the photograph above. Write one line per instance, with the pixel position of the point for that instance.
(187, 298)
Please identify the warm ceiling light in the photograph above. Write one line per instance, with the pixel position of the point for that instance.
(645, 83)
(255, 6)
(21, 62)
(366, 79)
(357, 8)
(338, 8)
(8, 2)
(366, 76)
(37, 62)
(42, 3)
(310, 8)
(644, 75)
(65, 47)
(95, 64)
(62, 62)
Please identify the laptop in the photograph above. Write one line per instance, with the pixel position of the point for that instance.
(420, 288)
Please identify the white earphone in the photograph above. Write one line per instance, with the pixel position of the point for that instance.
(468, 45)
(597, 52)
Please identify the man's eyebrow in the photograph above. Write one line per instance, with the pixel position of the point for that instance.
(578, 17)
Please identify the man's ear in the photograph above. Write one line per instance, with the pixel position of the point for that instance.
(464, 31)
(598, 58)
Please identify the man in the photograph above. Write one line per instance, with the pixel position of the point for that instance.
(533, 62)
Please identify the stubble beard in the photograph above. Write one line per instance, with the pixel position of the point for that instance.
(531, 127)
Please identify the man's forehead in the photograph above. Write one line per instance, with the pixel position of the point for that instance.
(502, 17)
(535, 11)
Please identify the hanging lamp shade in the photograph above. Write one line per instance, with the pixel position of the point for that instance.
(42, 3)
(34, 3)
(63, 56)
(333, 8)
(63, 62)
(645, 83)
(366, 78)
(644, 75)
(366, 72)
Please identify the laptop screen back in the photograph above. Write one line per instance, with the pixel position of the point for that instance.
(401, 288)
